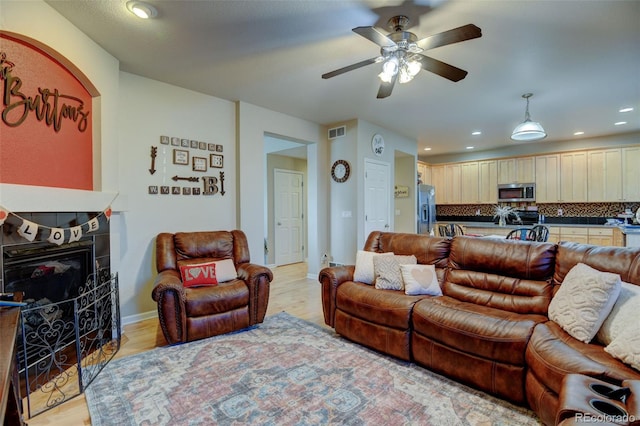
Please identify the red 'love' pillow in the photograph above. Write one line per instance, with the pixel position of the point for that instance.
(199, 274)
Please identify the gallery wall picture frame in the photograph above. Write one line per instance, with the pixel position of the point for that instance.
(216, 160)
(164, 140)
(211, 147)
(185, 143)
(194, 144)
(202, 145)
(175, 141)
(199, 164)
(181, 156)
(219, 148)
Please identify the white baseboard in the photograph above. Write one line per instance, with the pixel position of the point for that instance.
(131, 319)
(312, 276)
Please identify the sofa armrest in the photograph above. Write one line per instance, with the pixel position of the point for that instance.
(331, 278)
(169, 293)
(258, 279)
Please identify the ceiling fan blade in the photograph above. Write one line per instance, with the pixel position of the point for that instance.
(386, 88)
(375, 36)
(444, 70)
(456, 35)
(351, 67)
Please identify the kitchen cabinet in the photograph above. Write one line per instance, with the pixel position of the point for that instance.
(437, 180)
(488, 181)
(618, 237)
(573, 177)
(516, 170)
(452, 183)
(604, 175)
(631, 173)
(424, 173)
(600, 236)
(470, 183)
(547, 178)
(574, 234)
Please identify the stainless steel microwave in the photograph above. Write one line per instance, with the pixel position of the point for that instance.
(512, 192)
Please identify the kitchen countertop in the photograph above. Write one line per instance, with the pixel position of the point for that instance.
(634, 229)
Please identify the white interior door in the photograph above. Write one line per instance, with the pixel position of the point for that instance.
(377, 197)
(289, 216)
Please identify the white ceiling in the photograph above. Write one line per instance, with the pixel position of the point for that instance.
(581, 59)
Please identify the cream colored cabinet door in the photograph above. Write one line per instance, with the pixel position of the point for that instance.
(601, 236)
(452, 183)
(470, 184)
(516, 170)
(525, 170)
(547, 178)
(604, 175)
(573, 177)
(424, 173)
(488, 177)
(437, 180)
(631, 173)
(576, 235)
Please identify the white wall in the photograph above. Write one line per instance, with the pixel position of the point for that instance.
(149, 109)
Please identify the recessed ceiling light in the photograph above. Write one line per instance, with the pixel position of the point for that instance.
(427, 149)
(620, 123)
(629, 109)
(141, 9)
(476, 133)
(578, 133)
(470, 147)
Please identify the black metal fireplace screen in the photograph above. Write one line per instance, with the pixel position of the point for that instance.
(65, 344)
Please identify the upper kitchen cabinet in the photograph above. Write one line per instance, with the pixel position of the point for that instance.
(470, 184)
(424, 173)
(453, 183)
(516, 170)
(604, 175)
(488, 179)
(631, 173)
(437, 180)
(548, 178)
(573, 177)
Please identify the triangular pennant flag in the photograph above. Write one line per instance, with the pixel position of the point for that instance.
(28, 230)
(107, 214)
(94, 225)
(76, 233)
(56, 236)
(3, 215)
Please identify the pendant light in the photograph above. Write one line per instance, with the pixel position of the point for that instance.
(528, 130)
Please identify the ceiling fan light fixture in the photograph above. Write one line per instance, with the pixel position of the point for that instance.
(390, 67)
(528, 130)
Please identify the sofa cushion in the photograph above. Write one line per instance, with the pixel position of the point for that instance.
(201, 301)
(486, 332)
(420, 279)
(626, 347)
(385, 307)
(584, 300)
(387, 271)
(624, 313)
(365, 272)
(552, 354)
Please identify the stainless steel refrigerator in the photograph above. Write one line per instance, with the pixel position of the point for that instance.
(426, 209)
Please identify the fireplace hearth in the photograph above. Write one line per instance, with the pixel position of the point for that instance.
(70, 326)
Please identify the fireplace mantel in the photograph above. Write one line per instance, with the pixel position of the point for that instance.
(27, 198)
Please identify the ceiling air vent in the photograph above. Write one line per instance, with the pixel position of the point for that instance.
(337, 132)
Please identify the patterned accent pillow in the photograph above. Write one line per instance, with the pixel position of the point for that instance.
(624, 312)
(364, 271)
(387, 270)
(420, 279)
(626, 347)
(199, 274)
(584, 300)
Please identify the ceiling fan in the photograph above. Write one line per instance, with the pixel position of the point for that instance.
(400, 52)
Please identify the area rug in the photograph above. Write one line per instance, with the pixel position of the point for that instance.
(285, 371)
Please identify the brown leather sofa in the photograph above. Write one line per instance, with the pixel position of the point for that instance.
(490, 328)
(193, 313)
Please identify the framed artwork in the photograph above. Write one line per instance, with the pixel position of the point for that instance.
(181, 156)
(199, 164)
(194, 144)
(184, 143)
(211, 147)
(164, 140)
(219, 148)
(216, 160)
(175, 141)
(202, 145)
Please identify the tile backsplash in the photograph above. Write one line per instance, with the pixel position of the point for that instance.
(604, 210)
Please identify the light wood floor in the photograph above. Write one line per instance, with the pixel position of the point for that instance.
(290, 291)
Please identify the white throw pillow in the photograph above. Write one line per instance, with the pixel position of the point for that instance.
(626, 347)
(364, 271)
(584, 300)
(625, 311)
(420, 279)
(387, 270)
(225, 270)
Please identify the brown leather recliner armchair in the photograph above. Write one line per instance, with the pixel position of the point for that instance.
(192, 313)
